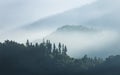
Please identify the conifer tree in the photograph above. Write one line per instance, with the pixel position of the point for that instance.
(54, 49)
(36, 44)
(27, 43)
(49, 46)
(65, 52)
(59, 47)
(63, 49)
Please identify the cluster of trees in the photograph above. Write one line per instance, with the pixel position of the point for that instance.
(49, 59)
(47, 48)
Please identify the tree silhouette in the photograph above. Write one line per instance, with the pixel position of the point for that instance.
(48, 59)
(59, 47)
(28, 43)
(64, 50)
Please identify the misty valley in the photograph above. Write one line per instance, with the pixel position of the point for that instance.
(59, 37)
(69, 50)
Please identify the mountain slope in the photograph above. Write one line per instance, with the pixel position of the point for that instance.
(102, 13)
(82, 40)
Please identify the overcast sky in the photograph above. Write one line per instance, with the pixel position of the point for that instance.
(20, 12)
(15, 13)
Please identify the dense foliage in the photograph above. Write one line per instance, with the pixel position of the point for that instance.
(48, 59)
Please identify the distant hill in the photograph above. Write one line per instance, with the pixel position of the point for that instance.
(85, 40)
(74, 28)
(102, 13)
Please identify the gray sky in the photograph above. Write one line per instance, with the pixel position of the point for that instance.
(15, 13)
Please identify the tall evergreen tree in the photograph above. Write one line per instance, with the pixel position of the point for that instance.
(27, 43)
(36, 44)
(54, 49)
(65, 50)
(59, 47)
(49, 46)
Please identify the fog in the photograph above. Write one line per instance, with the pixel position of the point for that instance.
(100, 14)
(23, 35)
(95, 43)
(17, 13)
(35, 25)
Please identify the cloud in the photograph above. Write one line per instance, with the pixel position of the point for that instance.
(20, 12)
(90, 43)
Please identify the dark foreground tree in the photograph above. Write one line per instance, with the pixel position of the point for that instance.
(46, 59)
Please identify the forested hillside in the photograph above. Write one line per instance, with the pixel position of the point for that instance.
(50, 59)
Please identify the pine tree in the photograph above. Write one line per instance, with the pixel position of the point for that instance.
(59, 47)
(36, 44)
(65, 50)
(54, 49)
(49, 46)
(27, 43)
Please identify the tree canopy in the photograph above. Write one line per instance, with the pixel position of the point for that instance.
(50, 59)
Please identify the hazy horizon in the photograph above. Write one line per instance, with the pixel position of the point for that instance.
(59, 37)
(16, 13)
(42, 19)
(16, 21)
